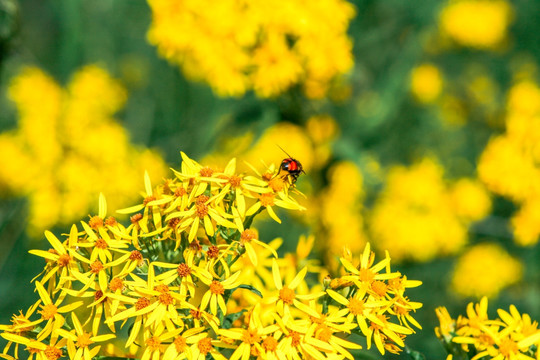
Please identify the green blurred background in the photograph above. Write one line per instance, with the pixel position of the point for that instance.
(381, 122)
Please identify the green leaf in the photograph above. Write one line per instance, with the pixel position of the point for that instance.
(250, 288)
(231, 318)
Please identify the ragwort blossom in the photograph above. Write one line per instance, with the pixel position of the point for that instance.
(511, 336)
(176, 285)
(238, 46)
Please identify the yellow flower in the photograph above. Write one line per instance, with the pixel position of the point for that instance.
(513, 336)
(287, 296)
(484, 270)
(418, 215)
(250, 337)
(214, 297)
(426, 83)
(480, 24)
(184, 273)
(157, 342)
(469, 199)
(526, 222)
(73, 163)
(50, 350)
(79, 341)
(51, 312)
(237, 47)
(344, 196)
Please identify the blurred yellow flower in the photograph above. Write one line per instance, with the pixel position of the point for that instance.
(341, 206)
(526, 222)
(509, 163)
(426, 83)
(237, 46)
(481, 24)
(290, 137)
(83, 153)
(470, 199)
(484, 270)
(420, 217)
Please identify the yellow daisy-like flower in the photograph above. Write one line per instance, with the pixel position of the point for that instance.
(214, 297)
(287, 295)
(38, 349)
(52, 312)
(250, 337)
(79, 341)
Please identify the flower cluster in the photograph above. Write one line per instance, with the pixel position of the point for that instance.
(479, 24)
(189, 278)
(509, 164)
(237, 46)
(475, 336)
(419, 216)
(484, 270)
(73, 163)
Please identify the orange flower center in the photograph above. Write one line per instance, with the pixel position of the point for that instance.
(173, 222)
(324, 333)
(195, 313)
(205, 346)
(201, 199)
(248, 235)
(366, 275)
(136, 256)
(162, 288)
(48, 311)
(217, 288)
(142, 303)
(235, 181)
(251, 336)
(212, 252)
(96, 266)
(379, 288)
(270, 344)
(287, 295)
(295, 336)
(149, 199)
(202, 210)
(166, 299)
(84, 340)
(180, 192)
(508, 348)
(206, 171)
(116, 284)
(180, 344)
(183, 270)
(267, 199)
(276, 184)
(95, 222)
(356, 307)
(52, 353)
(111, 221)
(153, 343)
(63, 260)
(101, 244)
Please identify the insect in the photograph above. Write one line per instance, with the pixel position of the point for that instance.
(292, 166)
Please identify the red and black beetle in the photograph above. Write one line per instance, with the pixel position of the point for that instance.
(292, 166)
